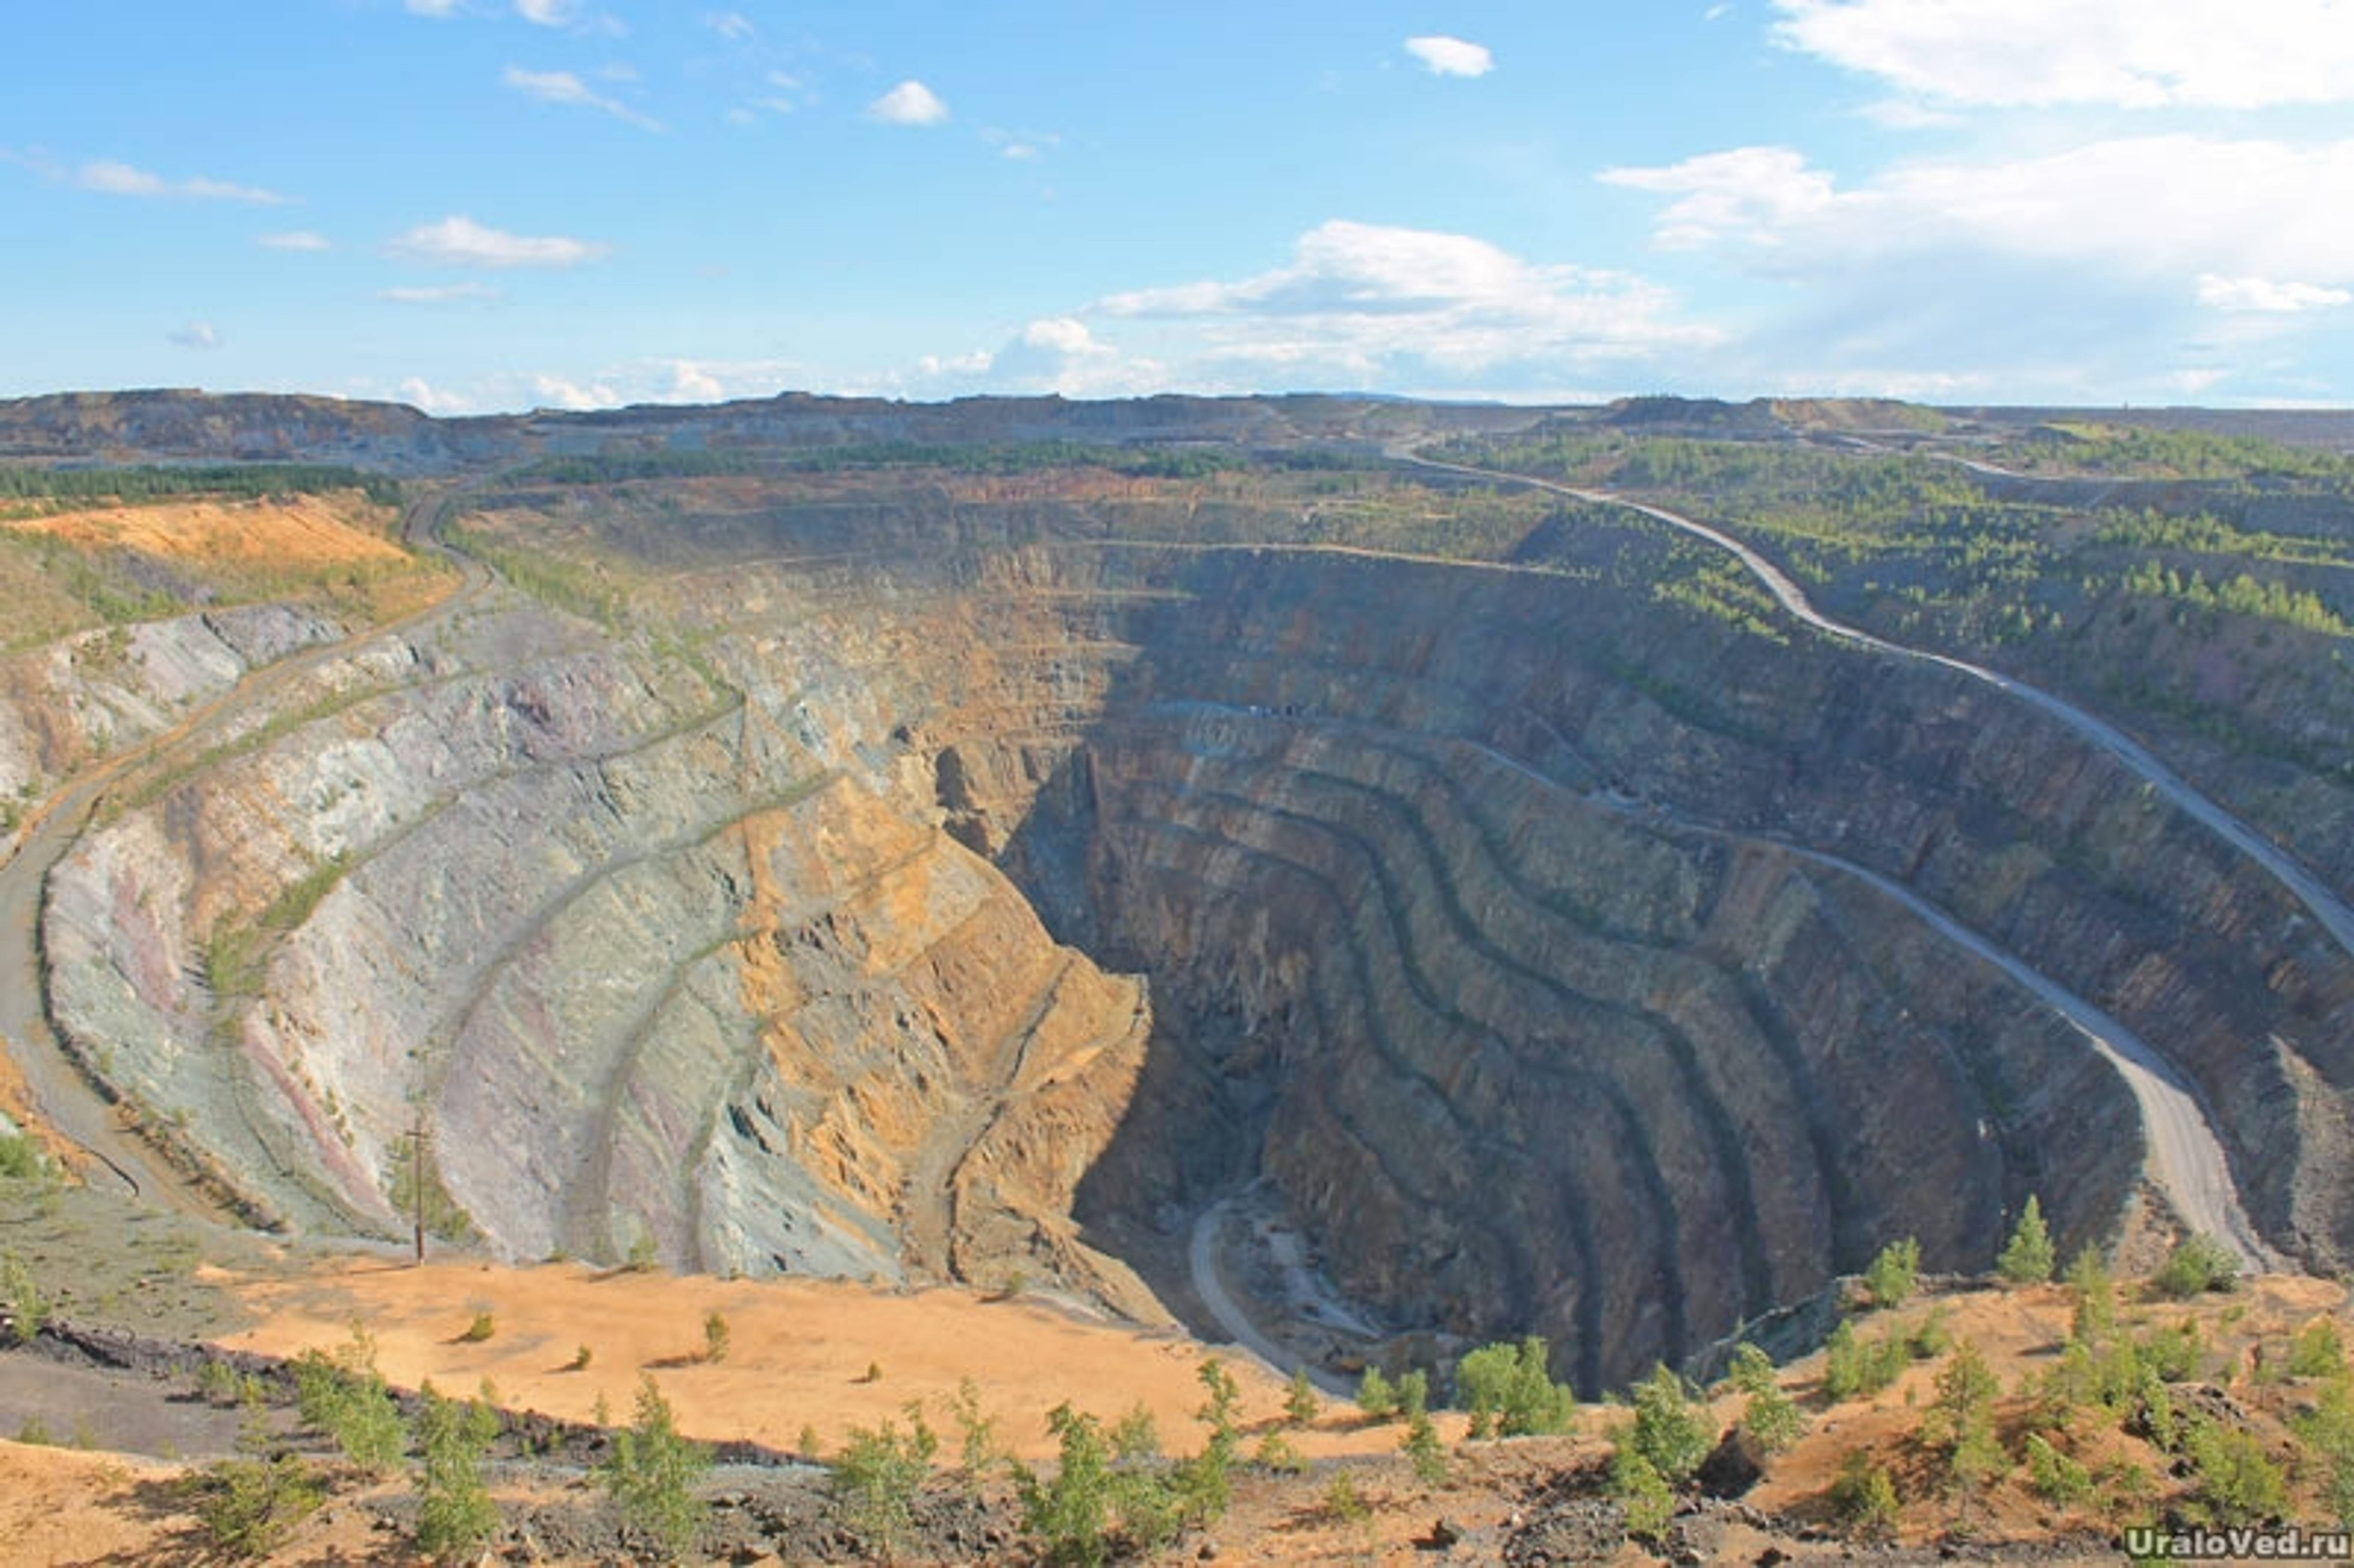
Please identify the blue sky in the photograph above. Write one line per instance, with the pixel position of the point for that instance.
(481, 204)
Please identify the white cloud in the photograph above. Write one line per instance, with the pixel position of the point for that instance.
(2141, 54)
(432, 7)
(562, 87)
(438, 293)
(733, 26)
(1364, 305)
(196, 334)
(121, 179)
(555, 391)
(1443, 55)
(2267, 296)
(294, 239)
(1022, 146)
(423, 394)
(910, 103)
(547, 13)
(2146, 207)
(460, 241)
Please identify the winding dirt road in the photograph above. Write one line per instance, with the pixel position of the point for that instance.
(2187, 1159)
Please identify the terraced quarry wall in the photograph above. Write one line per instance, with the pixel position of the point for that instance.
(937, 883)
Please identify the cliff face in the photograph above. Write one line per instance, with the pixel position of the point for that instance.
(656, 969)
(1521, 930)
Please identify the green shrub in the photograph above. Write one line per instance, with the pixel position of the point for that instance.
(878, 1476)
(1275, 1455)
(652, 1473)
(2093, 1299)
(1894, 1273)
(1962, 1420)
(2198, 1264)
(20, 1158)
(1376, 1396)
(1863, 1497)
(2056, 1478)
(1772, 1419)
(2027, 1258)
(976, 1432)
(1423, 1450)
(1096, 1505)
(29, 1308)
(2235, 1482)
(1853, 1369)
(249, 1507)
(1666, 1432)
(1342, 1503)
(455, 1515)
(1414, 1393)
(2172, 1354)
(1930, 1338)
(1300, 1406)
(715, 1337)
(1509, 1391)
(2317, 1352)
(480, 1329)
(1644, 1498)
(344, 1397)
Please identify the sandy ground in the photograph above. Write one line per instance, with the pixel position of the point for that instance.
(299, 532)
(799, 1355)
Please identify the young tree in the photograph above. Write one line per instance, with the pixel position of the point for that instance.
(1894, 1273)
(1962, 1420)
(455, 1515)
(2027, 1258)
(1300, 1406)
(1665, 1431)
(652, 1472)
(2094, 1313)
(879, 1473)
(1771, 1419)
(1509, 1391)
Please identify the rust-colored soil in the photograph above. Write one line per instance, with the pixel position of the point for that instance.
(799, 1352)
(298, 533)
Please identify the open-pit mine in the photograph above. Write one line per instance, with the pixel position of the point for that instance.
(1043, 845)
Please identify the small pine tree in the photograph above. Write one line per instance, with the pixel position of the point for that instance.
(878, 1476)
(1864, 1498)
(1646, 1501)
(1300, 1406)
(1423, 1450)
(2094, 1311)
(715, 1337)
(1771, 1419)
(1666, 1432)
(652, 1472)
(976, 1433)
(1509, 1391)
(2198, 1263)
(455, 1515)
(1894, 1272)
(1376, 1396)
(1962, 1420)
(2027, 1258)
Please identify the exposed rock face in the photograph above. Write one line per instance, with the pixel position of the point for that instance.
(67, 705)
(1487, 913)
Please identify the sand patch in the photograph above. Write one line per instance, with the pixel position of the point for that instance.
(298, 533)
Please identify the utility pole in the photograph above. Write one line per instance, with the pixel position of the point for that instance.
(416, 1153)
